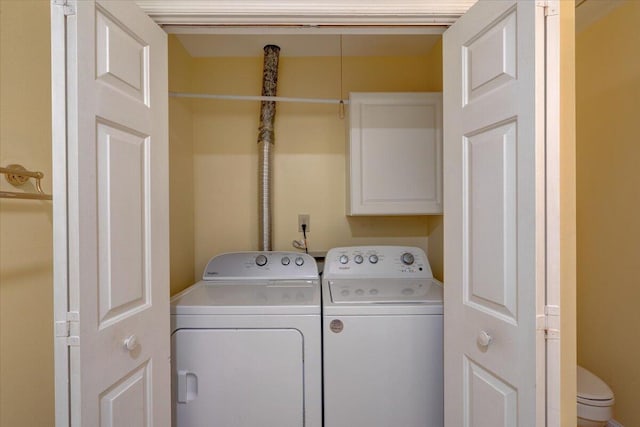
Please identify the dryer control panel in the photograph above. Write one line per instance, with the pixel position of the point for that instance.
(377, 261)
(261, 265)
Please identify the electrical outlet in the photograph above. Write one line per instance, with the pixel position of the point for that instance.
(303, 219)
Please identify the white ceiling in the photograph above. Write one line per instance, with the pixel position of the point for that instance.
(226, 45)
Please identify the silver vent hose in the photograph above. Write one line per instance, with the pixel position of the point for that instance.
(265, 147)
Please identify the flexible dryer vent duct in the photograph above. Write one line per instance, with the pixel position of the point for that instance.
(265, 146)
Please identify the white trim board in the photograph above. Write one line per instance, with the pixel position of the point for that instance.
(305, 12)
(234, 30)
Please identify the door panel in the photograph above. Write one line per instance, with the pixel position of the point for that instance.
(489, 209)
(122, 59)
(490, 58)
(118, 228)
(124, 404)
(485, 390)
(492, 145)
(122, 159)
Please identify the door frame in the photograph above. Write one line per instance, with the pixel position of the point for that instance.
(61, 318)
(337, 17)
(305, 12)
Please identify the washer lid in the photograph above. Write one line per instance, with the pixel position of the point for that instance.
(592, 389)
(273, 297)
(385, 291)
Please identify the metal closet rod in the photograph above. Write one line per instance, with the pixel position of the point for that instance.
(258, 98)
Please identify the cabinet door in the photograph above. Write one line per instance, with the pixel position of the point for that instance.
(395, 154)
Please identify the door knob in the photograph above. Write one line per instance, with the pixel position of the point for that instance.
(131, 342)
(484, 339)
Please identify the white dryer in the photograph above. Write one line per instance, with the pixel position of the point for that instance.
(246, 343)
(383, 339)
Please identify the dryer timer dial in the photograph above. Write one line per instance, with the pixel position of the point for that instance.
(407, 258)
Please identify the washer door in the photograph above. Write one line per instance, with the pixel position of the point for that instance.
(237, 377)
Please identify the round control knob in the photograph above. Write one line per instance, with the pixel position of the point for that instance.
(344, 259)
(373, 292)
(285, 260)
(407, 258)
(373, 259)
(359, 292)
(358, 259)
(344, 292)
(261, 260)
(299, 261)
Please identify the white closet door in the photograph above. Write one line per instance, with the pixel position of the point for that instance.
(118, 226)
(494, 213)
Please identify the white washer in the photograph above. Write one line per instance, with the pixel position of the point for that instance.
(382, 331)
(246, 343)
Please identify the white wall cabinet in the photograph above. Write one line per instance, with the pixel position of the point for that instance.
(394, 158)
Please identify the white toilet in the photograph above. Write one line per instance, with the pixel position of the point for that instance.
(595, 400)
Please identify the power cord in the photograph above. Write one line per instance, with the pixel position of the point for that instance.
(304, 234)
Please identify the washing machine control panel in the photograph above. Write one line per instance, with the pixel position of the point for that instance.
(382, 290)
(265, 265)
(377, 261)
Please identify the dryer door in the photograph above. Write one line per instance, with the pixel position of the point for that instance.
(238, 377)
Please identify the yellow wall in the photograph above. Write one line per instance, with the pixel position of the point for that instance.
(567, 214)
(310, 150)
(180, 169)
(26, 281)
(217, 140)
(608, 157)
